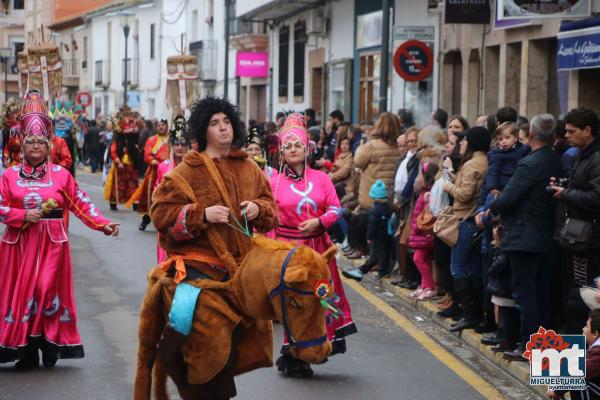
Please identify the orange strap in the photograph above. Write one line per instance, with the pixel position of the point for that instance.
(179, 260)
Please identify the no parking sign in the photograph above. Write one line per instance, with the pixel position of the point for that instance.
(413, 60)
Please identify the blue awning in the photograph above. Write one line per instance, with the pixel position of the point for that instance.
(579, 44)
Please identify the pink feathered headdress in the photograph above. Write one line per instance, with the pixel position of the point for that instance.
(294, 130)
(34, 119)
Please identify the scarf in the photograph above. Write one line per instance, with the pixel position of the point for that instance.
(290, 173)
(31, 173)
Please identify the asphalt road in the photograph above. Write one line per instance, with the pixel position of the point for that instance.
(382, 362)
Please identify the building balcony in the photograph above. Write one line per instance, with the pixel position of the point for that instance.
(273, 9)
(206, 51)
(71, 72)
(133, 72)
(102, 74)
(12, 70)
(248, 35)
(12, 17)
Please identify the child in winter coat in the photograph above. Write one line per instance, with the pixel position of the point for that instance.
(503, 160)
(379, 236)
(421, 241)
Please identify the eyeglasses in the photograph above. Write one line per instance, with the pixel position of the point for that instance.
(290, 145)
(35, 142)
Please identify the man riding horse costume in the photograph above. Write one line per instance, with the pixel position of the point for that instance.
(206, 314)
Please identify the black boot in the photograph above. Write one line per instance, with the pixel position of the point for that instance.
(145, 222)
(113, 207)
(49, 358)
(470, 298)
(290, 366)
(169, 351)
(452, 311)
(30, 360)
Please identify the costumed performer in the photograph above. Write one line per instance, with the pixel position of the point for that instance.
(156, 150)
(194, 223)
(122, 178)
(37, 304)
(253, 145)
(308, 206)
(180, 144)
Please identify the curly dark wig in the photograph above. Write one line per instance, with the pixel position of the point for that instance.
(202, 112)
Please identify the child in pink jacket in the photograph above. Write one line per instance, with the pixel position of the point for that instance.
(422, 242)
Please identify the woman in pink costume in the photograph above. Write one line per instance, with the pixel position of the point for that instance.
(180, 144)
(37, 305)
(308, 206)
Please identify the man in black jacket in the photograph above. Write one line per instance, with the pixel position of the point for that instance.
(581, 201)
(92, 145)
(526, 212)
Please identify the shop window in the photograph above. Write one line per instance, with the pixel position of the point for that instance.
(300, 40)
(284, 50)
(368, 88)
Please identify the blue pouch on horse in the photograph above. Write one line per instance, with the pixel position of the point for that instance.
(183, 307)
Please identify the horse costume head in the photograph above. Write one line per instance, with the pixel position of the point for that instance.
(298, 283)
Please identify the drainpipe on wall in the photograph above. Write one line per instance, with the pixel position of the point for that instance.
(226, 77)
(385, 49)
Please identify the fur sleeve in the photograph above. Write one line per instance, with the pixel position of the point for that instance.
(175, 207)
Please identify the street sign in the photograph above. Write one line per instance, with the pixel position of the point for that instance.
(413, 60)
(425, 33)
(84, 99)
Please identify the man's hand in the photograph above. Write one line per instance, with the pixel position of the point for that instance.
(479, 220)
(111, 229)
(216, 214)
(33, 216)
(119, 164)
(557, 191)
(309, 225)
(154, 163)
(252, 210)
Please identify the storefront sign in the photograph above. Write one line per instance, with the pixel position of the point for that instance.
(579, 49)
(515, 9)
(252, 64)
(467, 12)
(424, 33)
(413, 60)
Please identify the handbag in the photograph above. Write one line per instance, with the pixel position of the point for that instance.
(426, 220)
(446, 226)
(576, 235)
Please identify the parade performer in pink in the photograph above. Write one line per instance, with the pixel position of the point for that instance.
(179, 141)
(308, 206)
(37, 305)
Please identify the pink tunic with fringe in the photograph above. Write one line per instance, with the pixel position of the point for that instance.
(37, 304)
(298, 201)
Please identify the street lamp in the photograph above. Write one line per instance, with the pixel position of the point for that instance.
(126, 18)
(5, 53)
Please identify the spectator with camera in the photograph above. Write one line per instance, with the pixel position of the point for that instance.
(526, 212)
(580, 202)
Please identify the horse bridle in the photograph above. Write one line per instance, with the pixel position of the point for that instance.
(280, 290)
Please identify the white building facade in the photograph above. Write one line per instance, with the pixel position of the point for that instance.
(157, 31)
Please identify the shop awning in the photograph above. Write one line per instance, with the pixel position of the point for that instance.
(579, 44)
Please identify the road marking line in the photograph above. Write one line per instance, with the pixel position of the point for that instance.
(453, 363)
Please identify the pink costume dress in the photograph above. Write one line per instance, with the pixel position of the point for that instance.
(37, 304)
(300, 200)
(163, 168)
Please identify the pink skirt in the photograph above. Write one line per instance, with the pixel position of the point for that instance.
(37, 304)
(337, 329)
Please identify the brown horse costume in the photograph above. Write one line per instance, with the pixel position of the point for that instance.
(231, 328)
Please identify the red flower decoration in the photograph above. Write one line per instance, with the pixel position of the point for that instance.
(321, 289)
(545, 339)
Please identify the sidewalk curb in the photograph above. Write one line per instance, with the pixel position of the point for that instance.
(518, 370)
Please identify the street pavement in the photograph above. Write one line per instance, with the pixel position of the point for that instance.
(382, 362)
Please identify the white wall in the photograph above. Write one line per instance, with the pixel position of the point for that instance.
(152, 72)
(341, 30)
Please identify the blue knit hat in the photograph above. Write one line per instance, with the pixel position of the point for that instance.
(378, 190)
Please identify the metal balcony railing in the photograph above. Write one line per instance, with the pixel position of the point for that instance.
(133, 71)
(102, 73)
(71, 67)
(11, 66)
(206, 51)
